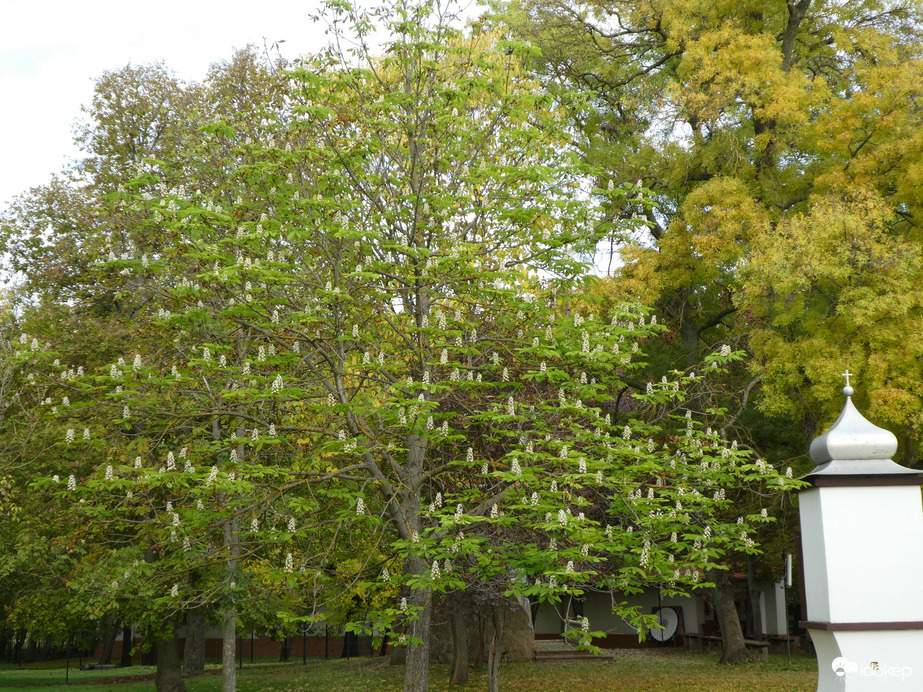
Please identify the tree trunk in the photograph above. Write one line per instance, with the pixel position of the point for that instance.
(459, 673)
(17, 647)
(229, 624)
(127, 643)
(350, 645)
(733, 646)
(495, 653)
(169, 677)
(194, 655)
(6, 640)
(416, 667)
(229, 628)
(229, 652)
(110, 632)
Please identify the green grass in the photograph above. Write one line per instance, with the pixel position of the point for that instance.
(670, 671)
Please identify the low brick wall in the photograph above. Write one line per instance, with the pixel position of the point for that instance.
(263, 647)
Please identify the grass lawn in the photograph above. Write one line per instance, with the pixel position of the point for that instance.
(634, 671)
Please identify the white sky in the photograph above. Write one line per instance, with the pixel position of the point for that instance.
(51, 51)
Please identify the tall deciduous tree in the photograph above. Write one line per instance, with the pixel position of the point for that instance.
(768, 156)
(355, 355)
(59, 237)
(742, 120)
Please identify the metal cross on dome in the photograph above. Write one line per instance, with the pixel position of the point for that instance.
(847, 390)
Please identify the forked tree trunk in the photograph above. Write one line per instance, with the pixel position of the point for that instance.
(733, 646)
(169, 676)
(110, 633)
(194, 654)
(495, 651)
(459, 672)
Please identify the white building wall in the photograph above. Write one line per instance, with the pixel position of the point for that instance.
(775, 618)
(857, 560)
(598, 608)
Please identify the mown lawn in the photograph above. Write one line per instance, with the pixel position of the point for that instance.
(652, 671)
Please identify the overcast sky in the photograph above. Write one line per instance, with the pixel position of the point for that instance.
(52, 50)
